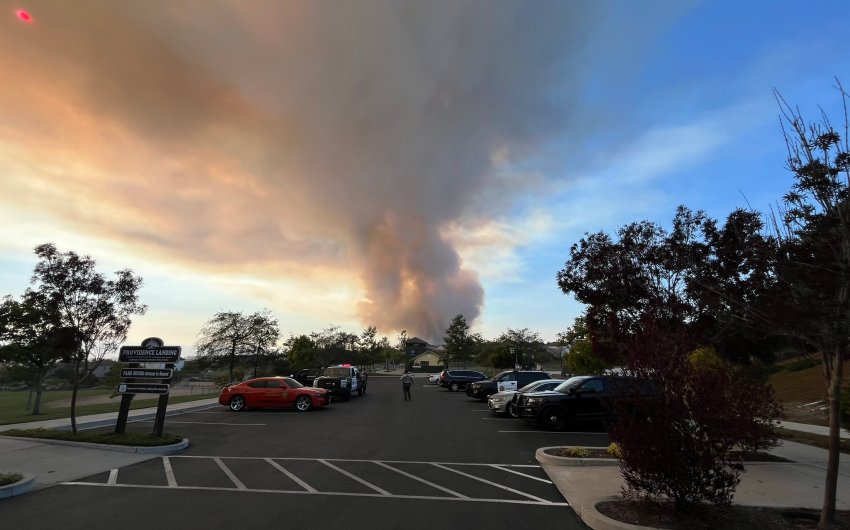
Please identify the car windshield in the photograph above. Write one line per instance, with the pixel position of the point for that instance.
(534, 384)
(337, 372)
(571, 383)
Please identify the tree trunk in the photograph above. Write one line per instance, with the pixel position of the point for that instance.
(827, 514)
(74, 397)
(39, 382)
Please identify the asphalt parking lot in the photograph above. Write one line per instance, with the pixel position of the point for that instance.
(376, 461)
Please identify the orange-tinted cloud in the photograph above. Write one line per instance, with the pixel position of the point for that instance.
(278, 137)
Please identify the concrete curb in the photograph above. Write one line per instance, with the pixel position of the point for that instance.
(544, 458)
(587, 512)
(142, 450)
(18, 488)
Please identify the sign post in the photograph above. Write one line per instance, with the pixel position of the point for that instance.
(154, 380)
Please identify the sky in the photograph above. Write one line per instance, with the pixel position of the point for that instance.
(386, 163)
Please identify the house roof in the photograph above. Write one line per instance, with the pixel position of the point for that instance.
(415, 340)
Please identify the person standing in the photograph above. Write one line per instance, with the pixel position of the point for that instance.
(406, 383)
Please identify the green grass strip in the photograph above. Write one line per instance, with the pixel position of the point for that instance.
(130, 439)
(10, 478)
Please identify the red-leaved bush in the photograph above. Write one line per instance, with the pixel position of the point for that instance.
(685, 442)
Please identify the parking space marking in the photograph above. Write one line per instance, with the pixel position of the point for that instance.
(531, 431)
(330, 493)
(230, 475)
(479, 479)
(169, 473)
(422, 480)
(212, 423)
(354, 477)
(239, 486)
(297, 480)
(497, 466)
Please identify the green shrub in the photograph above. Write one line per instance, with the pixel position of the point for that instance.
(614, 451)
(577, 452)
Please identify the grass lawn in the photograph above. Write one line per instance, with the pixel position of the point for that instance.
(131, 439)
(13, 405)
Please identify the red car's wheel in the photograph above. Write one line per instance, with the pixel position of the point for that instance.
(237, 403)
(303, 403)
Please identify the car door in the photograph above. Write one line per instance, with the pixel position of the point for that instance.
(587, 402)
(507, 382)
(277, 394)
(255, 394)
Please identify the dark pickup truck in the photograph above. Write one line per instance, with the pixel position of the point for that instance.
(583, 398)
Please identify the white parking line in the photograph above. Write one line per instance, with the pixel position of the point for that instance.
(212, 423)
(286, 472)
(169, 473)
(354, 477)
(230, 475)
(497, 466)
(557, 432)
(113, 477)
(422, 480)
(538, 499)
(330, 493)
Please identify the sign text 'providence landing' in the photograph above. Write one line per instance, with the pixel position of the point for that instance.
(155, 380)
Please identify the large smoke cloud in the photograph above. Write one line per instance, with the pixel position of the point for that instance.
(346, 134)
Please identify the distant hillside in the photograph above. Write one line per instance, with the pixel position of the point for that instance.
(805, 386)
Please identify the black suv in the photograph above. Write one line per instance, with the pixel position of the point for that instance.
(583, 398)
(307, 375)
(507, 380)
(454, 380)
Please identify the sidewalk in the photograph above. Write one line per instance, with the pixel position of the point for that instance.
(795, 484)
(54, 462)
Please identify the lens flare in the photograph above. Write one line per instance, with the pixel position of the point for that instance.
(24, 15)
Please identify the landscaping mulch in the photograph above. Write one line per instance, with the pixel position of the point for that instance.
(710, 517)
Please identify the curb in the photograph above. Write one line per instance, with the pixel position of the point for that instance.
(587, 513)
(18, 488)
(552, 460)
(142, 450)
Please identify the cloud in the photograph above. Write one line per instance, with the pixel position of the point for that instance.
(290, 139)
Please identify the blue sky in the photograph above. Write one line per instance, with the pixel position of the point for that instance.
(387, 163)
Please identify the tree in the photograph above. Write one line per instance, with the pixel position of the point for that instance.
(231, 335)
(33, 338)
(459, 342)
(97, 309)
(301, 350)
(704, 413)
(527, 346)
(264, 334)
(580, 359)
(808, 283)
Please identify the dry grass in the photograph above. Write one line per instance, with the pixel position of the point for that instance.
(804, 386)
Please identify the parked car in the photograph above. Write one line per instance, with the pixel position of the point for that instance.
(583, 398)
(505, 402)
(272, 392)
(342, 381)
(454, 380)
(307, 375)
(434, 379)
(507, 380)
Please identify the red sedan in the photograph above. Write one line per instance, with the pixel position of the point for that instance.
(272, 392)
